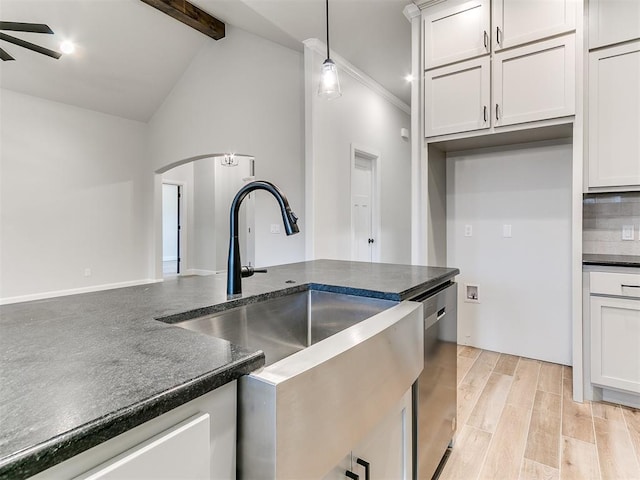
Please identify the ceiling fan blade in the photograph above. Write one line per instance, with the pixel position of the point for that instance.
(29, 45)
(25, 27)
(5, 56)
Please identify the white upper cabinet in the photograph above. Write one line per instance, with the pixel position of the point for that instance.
(534, 82)
(613, 21)
(457, 97)
(516, 22)
(457, 33)
(614, 116)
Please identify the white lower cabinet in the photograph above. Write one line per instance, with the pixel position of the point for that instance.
(615, 330)
(385, 451)
(196, 440)
(534, 82)
(615, 343)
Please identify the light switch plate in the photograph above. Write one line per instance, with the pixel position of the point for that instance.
(468, 231)
(627, 232)
(506, 231)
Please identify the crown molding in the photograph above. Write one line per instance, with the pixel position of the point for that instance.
(422, 4)
(319, 47)
(411, 11)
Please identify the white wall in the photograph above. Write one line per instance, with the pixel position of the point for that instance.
(204, 227)
(74, 195)
(525, 281)
(243, 95)
(365, 118)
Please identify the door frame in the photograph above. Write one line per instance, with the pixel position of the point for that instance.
(182, 229)
(374, 157)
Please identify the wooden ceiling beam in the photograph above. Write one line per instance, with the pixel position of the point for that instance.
(191, 15)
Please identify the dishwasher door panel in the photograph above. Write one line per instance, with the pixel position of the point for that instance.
(435, 391)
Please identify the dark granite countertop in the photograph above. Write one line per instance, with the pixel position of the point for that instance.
(78, 370)
(611, 260)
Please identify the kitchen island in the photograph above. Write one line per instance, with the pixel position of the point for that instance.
(79, 370)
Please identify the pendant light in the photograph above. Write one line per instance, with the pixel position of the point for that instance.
(329, 83)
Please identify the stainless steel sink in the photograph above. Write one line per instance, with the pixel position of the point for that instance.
(335, 365)
(284, 325)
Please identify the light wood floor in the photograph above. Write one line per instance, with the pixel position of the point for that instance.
(517, 420)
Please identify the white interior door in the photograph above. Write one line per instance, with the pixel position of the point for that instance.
(362, 208)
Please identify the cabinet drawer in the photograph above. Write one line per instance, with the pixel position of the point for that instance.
(182, 452)
(619, 284)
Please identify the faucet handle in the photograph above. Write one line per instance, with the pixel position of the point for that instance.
(248, 271)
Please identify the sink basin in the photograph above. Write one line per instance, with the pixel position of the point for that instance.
(335, 366)
(285, 325)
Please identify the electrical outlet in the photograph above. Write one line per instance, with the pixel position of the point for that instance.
(506, 231)
(468, 231)
(627, 232)
(87, 272)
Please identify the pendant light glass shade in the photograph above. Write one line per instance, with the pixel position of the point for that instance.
(329, 82)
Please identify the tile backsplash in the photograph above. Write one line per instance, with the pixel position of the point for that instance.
(604, 215)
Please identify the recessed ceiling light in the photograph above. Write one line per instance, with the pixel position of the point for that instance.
(409, 78)
(67, 47)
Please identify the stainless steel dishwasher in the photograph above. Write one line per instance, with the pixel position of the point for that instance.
(434, 393)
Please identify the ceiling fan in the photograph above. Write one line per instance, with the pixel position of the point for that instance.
(25, 27)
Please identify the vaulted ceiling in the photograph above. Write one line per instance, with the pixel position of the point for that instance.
(130, 55)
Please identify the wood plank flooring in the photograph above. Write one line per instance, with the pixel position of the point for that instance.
(517, 421)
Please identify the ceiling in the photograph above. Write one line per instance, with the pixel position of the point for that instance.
(129, 55)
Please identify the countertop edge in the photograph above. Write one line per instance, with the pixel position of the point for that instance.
(36, 459)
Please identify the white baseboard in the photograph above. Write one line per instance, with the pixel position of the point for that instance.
(74, 291)
(623, 398)
(196, 271)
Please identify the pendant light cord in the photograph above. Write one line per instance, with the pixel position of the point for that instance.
(327, 4)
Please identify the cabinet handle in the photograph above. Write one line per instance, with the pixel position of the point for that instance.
(351, 475)
(497, 115)
(441, 313)
(498, 36)
(486, 40)
(629, 286)
(367, 470)
(484, 113)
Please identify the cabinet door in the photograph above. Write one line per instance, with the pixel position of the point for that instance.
(387, 449)
(615, 343)
(455, 34)
(613, 21)
(534, 82)
(614, 116)
(516, 22)
(181, 452)
(457, 98)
